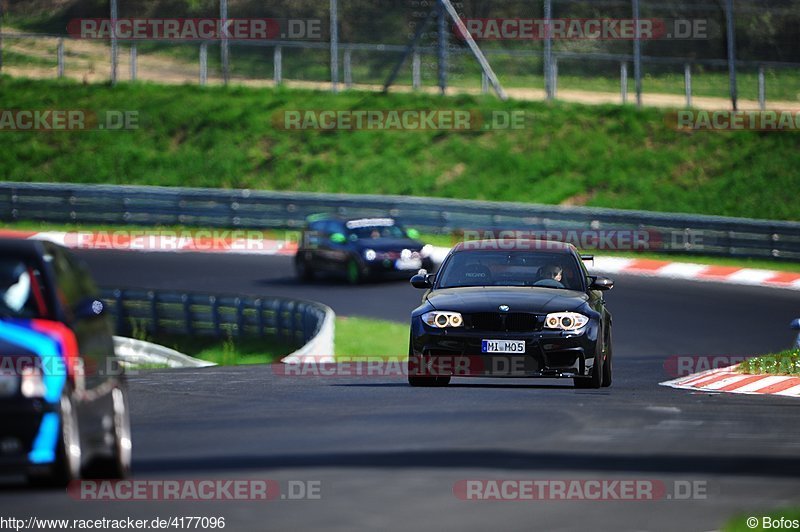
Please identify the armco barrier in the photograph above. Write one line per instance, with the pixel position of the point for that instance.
(217, 208)
(303, 325)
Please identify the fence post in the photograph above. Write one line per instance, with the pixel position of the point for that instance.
(60, 54)
(334, 16)
(731, 38)
(120, 303)
(259, 303)
(415, 70)
(637, 54)
(239, 316)
(187, 313)
(1, 36)
(548, 55)
(133, 61)
(277, 65)
(113, 42)
(442, 47)
(223, 44)
(687, 83)
(623, 82)
(348, 71)
(151, 295)
(203, 62)
(215, 316)
(554, 78)
(762, 89)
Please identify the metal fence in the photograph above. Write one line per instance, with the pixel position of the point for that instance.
(757, 61)
(287, 321)
(249, 209)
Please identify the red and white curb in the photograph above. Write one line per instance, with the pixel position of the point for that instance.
(697, 272)
(241, 242)
(729, 380)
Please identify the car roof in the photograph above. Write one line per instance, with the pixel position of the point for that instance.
(21, 246)
(514, 244)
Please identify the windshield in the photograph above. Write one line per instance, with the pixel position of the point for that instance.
(378, 231)
(20, 291)
(511, 268)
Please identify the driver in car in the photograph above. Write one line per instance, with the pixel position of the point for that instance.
(551, 271)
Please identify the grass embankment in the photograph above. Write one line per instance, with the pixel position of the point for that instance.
(608, 156)
(784, 363)
(356, 339)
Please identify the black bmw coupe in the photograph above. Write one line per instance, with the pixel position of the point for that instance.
(511, 308)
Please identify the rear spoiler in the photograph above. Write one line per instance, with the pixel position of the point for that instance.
(587, 257)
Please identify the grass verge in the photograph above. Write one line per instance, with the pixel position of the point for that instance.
(366, 338)
(605, 155)
(226, 352)
(784, 363)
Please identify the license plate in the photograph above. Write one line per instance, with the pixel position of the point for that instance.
(502, 346)
(408, 264)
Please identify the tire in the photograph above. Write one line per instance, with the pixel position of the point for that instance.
(67, 466)
(596, 379)
(118, 465)
(417, 380)
(353, 272)
(302, 269)
(608, 363)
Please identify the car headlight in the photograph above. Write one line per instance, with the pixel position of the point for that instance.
(426, 251)
(565, 321)
(442, 319)
(370, 254)
(32, 382)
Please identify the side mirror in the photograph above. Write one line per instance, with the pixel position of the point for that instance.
(338, 238)
(412, 233)
(89, 308)
(601, 283)
(421, 280)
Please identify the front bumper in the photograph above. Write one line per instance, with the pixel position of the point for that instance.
(457, 352)
(388, 268)
(22, 420)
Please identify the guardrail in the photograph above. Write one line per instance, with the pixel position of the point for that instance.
(296, 323)
(218, 208)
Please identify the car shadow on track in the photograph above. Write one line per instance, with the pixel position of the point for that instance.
(467, 385)
(738, 465)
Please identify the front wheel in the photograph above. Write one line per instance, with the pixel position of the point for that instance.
(303, 270)
(596, 378)
(353, 272)
(608, 363)
(118, 464)
(416, 366)
(67, 465)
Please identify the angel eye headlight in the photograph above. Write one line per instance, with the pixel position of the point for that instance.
(565, 321)
(370, 254)
(443, 319)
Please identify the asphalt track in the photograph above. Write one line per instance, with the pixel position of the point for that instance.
(388, 456)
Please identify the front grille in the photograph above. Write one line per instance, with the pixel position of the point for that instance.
(503, 321)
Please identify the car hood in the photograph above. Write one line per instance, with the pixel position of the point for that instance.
(390, 244)
(518, 299)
